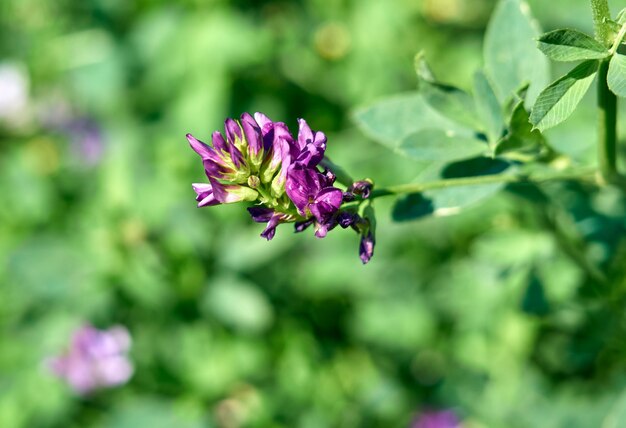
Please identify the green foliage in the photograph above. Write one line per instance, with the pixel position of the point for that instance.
(616, 78)
(440, 145)
(510, 60)
(496, 312)
(453, 103)
(449, 201)
(391, 120)
(488, 108)
(559, 100)
(571, 45)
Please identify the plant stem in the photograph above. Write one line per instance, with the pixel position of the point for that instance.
(539, 177)
(618, 40)
(601, 16)
(607, 126)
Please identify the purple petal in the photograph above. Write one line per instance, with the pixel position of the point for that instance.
(205, 151)
(310, 155)
(326, 203)
(302, 185)
(270, 229)
(321, 229)
(233, 130)
(252, 133)
(205, 194)
(261, 214)
(213, 169)
(229, 193)
(305, 135)
(235, 155)
(264, 122)
(218, 142)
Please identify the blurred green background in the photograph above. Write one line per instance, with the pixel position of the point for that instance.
(482, 312)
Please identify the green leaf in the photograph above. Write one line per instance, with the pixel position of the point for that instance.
(488, 108)
(534, 301)
(559, 100)
(520, 134)
(452, 200)
(511, 57)
(451, 102)
(439, 145)
(617, 75)
(390, 120)
(571, 45)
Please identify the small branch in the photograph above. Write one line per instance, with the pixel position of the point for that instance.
(539, 177)
(601, 17)
(618, 40)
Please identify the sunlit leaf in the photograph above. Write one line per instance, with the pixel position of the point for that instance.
(559, 100)
(571, 45)
(617, 75)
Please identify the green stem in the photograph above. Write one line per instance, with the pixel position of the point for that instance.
(538, 177)
(607, 126)
(618, 40)
(601, 17)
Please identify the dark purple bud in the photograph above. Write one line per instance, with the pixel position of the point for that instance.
(261, 214)
(348, 196)
(346, 219)
(302, 225)
(362, 188)
(330, 177)
(252, 132)
(366, 248)
(321, 229)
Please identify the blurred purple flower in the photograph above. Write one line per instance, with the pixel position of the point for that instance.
(86, 137)
(95, 359)
(437, 419)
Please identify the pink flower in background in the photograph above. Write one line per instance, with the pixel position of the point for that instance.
(437, 419)
(95, 359)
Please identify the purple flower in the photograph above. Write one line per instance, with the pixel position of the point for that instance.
(311, 193)
(258, 160)
(437, 419)
(95, 359)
